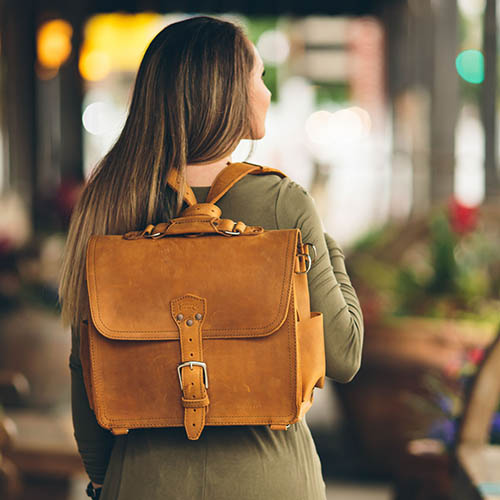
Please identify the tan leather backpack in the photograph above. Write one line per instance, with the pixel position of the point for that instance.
(201, 321)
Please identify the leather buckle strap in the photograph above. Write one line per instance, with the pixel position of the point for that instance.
(189, 313)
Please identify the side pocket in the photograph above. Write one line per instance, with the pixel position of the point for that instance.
(312, 354)
(85, 359)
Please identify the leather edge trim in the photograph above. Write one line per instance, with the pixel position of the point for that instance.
(109, 333)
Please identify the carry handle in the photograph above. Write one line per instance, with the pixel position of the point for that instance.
(195, 225)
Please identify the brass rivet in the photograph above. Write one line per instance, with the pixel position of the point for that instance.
(198, 316)
(189, 322)
(180, 316)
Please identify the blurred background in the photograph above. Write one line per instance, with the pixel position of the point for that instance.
(386, 112)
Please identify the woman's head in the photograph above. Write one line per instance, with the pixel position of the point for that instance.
(198, 92)
(197, 75)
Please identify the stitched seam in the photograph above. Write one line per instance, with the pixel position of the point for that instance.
(292, 357)
(111, 421)
(137, 422)
(285, 275)
(276, 204)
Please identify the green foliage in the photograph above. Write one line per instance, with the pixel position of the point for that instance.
(441, 273)
(442, 245)
(337, 92)
(372, 239)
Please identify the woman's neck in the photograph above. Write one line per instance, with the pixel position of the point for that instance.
(203, 174)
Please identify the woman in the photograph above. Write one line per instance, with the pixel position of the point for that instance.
(198, 92)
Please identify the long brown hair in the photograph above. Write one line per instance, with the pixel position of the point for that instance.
(190, 104)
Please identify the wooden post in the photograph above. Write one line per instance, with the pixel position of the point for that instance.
(71, 100)
(444, 101)
(19, 50)
(409, 55)
(488, 103)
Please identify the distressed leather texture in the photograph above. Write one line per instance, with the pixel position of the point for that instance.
(231, 298)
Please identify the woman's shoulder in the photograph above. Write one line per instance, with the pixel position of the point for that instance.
(271, 179)
(287, 192)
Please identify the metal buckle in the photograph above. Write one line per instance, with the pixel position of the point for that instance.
(309, 263)
(315, 252)
(232, 232)
(190, 364)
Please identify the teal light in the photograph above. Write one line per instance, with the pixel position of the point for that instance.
(470, 66)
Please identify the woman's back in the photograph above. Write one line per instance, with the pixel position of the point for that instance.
(199, 91)
(229, 462)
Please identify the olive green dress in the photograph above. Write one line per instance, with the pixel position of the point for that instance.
(234, 462)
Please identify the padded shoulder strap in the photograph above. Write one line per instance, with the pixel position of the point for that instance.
(224, 180)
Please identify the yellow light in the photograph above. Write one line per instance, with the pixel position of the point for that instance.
(54, 43)
(122, 37)
(94, 65)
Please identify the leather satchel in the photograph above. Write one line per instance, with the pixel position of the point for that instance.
(201, 321)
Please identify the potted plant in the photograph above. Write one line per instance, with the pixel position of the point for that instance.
(429, 290)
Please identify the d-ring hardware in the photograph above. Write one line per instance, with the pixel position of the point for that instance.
(151, 235)
(315, 252)
(309, 263)
(231, 232)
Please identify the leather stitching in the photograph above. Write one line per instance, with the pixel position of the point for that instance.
(95, 303)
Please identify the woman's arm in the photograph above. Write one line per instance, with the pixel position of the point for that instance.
(330, 289)
(94, 442)
(355, 317)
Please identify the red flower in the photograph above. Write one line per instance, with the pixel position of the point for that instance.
(475, 355)
(463, 218)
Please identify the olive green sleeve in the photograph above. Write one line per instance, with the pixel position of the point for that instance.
(94, 442)
(330, 288)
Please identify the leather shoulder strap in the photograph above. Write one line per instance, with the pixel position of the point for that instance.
(230, 175)
(224, 180)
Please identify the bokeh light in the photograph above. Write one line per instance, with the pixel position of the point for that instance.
(472, 8)
(98, 118)
(117, 42)
(54, 43)
(347, 125)
(470, 66)
(317, 127)
(273, 46)
(94, 65)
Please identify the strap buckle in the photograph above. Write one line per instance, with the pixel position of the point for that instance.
(190, 364)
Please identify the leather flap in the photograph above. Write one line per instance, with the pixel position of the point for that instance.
(246, 281)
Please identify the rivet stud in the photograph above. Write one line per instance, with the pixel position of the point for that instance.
(189, 322)
(180, 316)
(198, 316)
